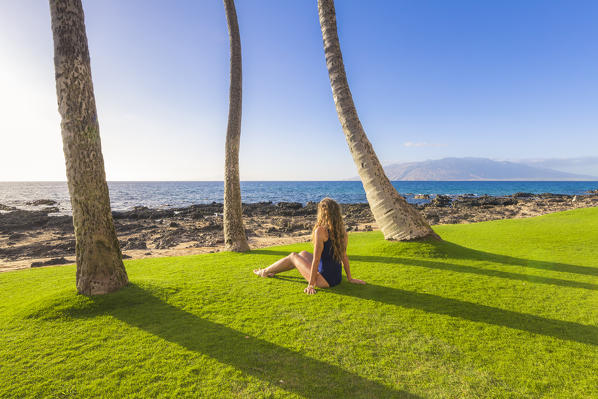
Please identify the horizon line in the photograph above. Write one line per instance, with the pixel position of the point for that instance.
(593, 179)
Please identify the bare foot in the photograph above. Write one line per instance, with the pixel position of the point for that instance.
(262, 273)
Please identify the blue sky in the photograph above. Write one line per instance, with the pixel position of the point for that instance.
(505, 80)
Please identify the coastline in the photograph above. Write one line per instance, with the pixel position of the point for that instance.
(32, 238)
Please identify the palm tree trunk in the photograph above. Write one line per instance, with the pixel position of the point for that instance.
(397, 219)
(234, 230)
(99, 261)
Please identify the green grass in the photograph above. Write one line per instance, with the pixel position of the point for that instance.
(499, 309)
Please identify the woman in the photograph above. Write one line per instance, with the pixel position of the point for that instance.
(323, 268)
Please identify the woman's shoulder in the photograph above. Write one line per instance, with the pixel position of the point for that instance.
(322, 232)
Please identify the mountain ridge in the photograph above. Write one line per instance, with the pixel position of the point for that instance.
(472, 168)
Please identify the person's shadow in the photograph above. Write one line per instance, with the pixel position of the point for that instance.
(571, 331)
(456, 251)
(277, 365)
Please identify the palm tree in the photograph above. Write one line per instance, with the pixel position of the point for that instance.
(99, 261)
(397, 219)
(234, 231)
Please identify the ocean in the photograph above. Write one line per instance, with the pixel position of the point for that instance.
(126, 195)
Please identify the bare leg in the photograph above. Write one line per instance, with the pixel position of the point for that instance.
(301, 261)
(281, 265)
(303, 265)
(307, 255)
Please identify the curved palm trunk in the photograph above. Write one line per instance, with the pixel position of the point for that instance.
(396, 218)
(99, 261)
(234, 231)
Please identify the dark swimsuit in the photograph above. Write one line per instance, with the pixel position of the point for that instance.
(328, 267)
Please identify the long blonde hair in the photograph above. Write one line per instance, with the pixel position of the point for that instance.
(329, 216)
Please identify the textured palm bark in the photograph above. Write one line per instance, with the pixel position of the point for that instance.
(234, 230)
(396, 218)
(99, 261)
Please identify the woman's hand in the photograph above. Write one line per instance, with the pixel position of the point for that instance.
(310, 290)
(356, 281)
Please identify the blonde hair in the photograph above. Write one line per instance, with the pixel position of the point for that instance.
(329, 216)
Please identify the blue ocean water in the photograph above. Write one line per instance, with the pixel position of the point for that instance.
(125, 195)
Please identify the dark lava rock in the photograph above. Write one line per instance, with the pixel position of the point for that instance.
(289, 205)
(550, 195)
(311, 207)
(62, 223)
(503, 201)
(133, 243)
(55, 261)
(125, 256)
(143, 212)
(522, 195)
(432, 218)
(215, 209)
(174, 224)
(23, 220)
(466, 202)
(38, 250)
(212, 226)
(295, 227)
(16, 236)
(123, 227)
(7, 208)
(199, 211)
(484, 202)
(172, 238)
(357, 212)
(42, 202)
(441, 200)
(164, 243)
(288, 209)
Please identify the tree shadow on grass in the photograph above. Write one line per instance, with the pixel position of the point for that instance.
(461, 252)
(454, 251)
(560, 329)
(479, 271)
(277, 365)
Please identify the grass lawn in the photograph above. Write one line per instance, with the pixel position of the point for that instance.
(504, 309)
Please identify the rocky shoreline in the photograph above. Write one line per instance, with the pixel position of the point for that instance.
(31, 238)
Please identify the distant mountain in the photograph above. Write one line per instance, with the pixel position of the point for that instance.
(475, 169)
(583, 165)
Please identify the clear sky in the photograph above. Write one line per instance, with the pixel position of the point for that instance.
(504, 79)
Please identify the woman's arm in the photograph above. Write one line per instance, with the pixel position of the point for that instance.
(347, 267)
(318, 248)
